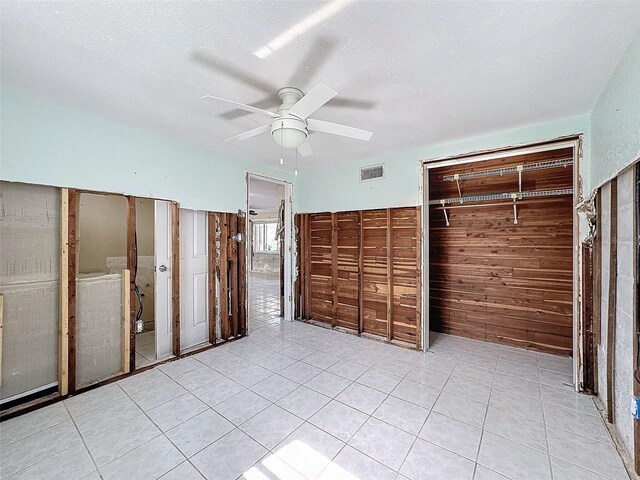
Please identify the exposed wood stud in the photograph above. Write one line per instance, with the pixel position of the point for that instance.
(418, 279)
(211, 272)
(389, 274)
(233, 254)
(611, 317)
(587, 316)
(281, 254)
(307, 268)
(126, 321)
(360, 275)
(334, 269)
(131, 266)
(242, 276)
(597, 288)
(298, 282)
(63, 330)
(72, 274)
(175, 277)
(224, 281)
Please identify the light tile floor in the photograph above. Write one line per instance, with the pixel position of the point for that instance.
(295, 401)
(145, 348)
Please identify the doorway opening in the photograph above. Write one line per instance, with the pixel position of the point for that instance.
(268, 240)
(499, 262)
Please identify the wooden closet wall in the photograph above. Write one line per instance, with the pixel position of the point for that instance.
(495, 280)
(360, 270)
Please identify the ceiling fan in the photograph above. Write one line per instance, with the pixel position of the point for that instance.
(290, 124)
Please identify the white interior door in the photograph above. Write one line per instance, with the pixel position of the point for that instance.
(194, 325)
(163, 290)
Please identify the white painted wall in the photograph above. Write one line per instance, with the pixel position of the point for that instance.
(48, 144)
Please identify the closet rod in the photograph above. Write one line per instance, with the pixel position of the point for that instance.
(562, 162)
(503, 196)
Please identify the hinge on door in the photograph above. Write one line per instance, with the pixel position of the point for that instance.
(290, 199)
(290, 298)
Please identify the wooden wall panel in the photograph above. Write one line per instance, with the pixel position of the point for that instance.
(347, 240)
(320, 264)
(492, 279)
(348, 280)
(374, 272)
(406, 267)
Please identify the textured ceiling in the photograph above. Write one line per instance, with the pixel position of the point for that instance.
(426, 72)
(264, 196)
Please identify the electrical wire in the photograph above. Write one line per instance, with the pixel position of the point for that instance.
(135, 276)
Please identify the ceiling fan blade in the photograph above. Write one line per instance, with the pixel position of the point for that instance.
(250, 133)
(305, 149)
(337, 129)
(236, 73)
(312, 62)
(346, 102)
(242, 106)
(312, 101)
(265, 103)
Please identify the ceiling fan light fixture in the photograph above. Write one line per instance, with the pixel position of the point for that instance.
(289, 132)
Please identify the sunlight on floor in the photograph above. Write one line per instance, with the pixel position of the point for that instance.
(279, 465)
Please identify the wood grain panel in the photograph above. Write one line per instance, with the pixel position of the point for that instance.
(347, 236)
(495, 280)
(405, 255)
(374, 272)
(320, 267)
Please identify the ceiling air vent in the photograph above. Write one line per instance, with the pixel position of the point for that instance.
(373, 172)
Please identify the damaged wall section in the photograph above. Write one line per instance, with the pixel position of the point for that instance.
(29, 284)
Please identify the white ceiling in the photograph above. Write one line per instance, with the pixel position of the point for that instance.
(432, 71)
(264, 196)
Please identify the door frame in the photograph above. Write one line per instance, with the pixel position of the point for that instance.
(288, 243)
(572, 141)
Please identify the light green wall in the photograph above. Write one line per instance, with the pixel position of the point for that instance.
(48, 144)
(339, 188)
(615, 120)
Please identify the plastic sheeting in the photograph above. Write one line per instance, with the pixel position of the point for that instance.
(99, 327)
(29, 282)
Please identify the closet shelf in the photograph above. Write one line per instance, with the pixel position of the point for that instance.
(503, 196)
(562, 162)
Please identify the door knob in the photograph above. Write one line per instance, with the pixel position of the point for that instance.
(162, 268)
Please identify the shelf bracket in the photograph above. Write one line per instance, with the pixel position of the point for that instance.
(444, 209)
(456, 177)
(520, 168)
(515, 209)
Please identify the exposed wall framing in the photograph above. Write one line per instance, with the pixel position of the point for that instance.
(359, 270)
(72, 273)
(612, 294)
(212, 224)
(63, 332)
(131, 267)
(175, 277)
(232, 255)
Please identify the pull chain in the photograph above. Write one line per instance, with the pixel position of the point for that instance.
(295, 172)
(281, 156)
